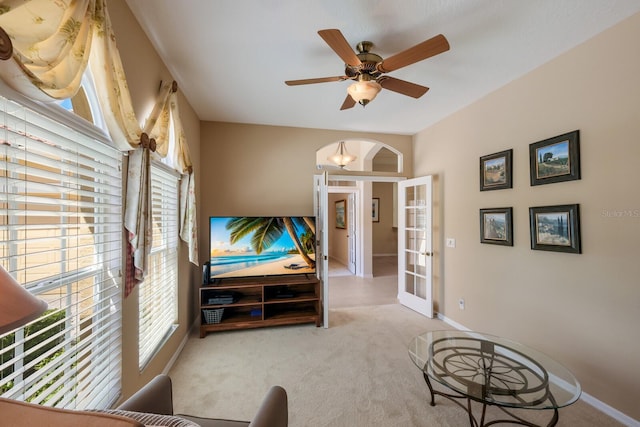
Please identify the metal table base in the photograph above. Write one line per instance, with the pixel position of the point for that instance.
(473, 421)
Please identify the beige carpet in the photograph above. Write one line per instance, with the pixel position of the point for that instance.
(356, 373)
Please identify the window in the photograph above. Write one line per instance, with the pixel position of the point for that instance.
(61, 237)
(85, 104)
(158, 296)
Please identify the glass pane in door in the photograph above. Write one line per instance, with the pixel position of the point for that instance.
(421, 287)
(409, 286)
(421, 195)
(410, 196)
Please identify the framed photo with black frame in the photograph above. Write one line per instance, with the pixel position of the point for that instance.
(496, 171)
(555, 228)
(496, 226)
(555, 159)
(375, 209)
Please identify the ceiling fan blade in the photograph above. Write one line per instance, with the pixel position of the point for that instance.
(348, 103)
(424, 50)
(403, 87)
(319, 80)
(339, 44)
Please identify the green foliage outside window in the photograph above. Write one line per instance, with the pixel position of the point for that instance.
(50, 325)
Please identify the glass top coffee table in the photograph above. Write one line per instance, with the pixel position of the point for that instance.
(493, 371)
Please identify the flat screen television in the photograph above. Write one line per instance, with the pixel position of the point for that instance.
(261, 246)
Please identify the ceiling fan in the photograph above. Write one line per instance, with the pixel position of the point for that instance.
(368, 69)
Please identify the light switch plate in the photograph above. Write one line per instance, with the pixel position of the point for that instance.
(451, 243)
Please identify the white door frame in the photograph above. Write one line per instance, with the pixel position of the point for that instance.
(320, 202)
(352, 234)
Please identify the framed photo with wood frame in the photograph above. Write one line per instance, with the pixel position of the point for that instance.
(496, 226)
(341, 214)
(555, 228)
(555, 159)
(375, 209)
(495, 171)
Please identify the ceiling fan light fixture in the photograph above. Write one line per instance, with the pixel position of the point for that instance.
(364, 91)
(342, 157)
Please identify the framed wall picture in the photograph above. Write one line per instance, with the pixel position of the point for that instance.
(555, 228)
(375, 209)
(341, 214)
(495, 171)
(496, 226)
(555, 159)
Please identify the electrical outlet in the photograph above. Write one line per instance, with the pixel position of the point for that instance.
(451, 243)
(461, 303)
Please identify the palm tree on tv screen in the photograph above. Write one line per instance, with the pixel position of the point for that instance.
(265, 231)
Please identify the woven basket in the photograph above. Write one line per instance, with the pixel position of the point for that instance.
(212, 316)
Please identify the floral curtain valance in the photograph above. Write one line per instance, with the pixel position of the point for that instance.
(49, 45)
(53, 42)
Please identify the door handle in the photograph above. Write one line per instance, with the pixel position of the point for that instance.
(427, 253)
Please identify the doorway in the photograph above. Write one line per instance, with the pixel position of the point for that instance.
(359, 285)
(380, 287)
(344, 246)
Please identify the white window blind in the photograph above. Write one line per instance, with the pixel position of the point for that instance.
(158, 293)
(61, 237)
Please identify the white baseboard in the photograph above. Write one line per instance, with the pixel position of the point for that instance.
(453, 323)
(585, 397)
(612, 412)
(183, 343)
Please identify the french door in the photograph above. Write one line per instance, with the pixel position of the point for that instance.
(320, 202)
(415, 245)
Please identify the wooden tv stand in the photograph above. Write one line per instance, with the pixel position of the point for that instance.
(259, 302)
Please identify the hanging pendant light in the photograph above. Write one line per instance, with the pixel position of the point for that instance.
(342, 156)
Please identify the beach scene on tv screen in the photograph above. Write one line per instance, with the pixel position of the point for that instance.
(261, 246)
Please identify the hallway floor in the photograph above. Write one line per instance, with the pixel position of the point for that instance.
(348, 290)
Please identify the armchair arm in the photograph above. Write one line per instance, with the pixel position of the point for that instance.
(155, 398)
(274, 410)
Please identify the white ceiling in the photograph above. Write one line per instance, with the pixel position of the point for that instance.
(231, 57)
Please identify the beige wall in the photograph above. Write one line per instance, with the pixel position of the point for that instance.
(267, 170)
(144, 70)
(583, 310)
(385, 235)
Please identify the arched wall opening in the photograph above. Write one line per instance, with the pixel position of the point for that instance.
(371, 156)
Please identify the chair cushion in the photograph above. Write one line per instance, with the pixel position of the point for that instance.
(149, 420)
(15, 413)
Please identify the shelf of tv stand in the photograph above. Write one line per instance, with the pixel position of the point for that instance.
(301, 303)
